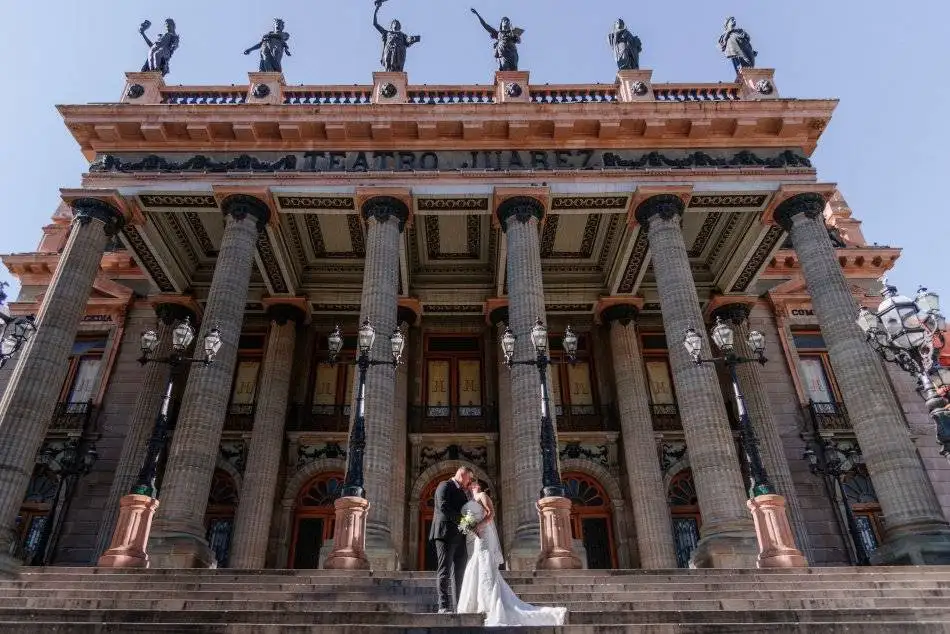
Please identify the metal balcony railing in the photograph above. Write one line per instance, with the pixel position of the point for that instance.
(326, 418)
(586, 418)
(666, 417)
(443, 419)
(829, 416)
(71, 417)
(240, 417)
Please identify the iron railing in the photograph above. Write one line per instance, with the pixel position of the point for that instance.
(586, 418)
(326, 418)
(666, 417)
(240, 417)
(829, 416)
(444, 419)
(71, 417)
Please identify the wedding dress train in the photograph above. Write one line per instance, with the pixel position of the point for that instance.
(485, 591)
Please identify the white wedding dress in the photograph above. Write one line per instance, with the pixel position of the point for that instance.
(484, 590)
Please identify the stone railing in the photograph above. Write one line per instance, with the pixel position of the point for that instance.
(201, 95)
(328, 95)
(434, 95)
(574, 94)
(697, 92)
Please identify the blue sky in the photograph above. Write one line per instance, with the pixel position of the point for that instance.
(884, 146)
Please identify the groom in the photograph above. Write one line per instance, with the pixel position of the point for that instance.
(450, 550)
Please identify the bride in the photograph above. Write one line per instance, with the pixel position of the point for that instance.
(483, 589)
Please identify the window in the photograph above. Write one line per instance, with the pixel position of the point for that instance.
(818, 384)
(82, 377)
(591, 520)
(244, 386)
(453, 377)
(219, 516)
(684, 512)
(659, 379)
(866, 511)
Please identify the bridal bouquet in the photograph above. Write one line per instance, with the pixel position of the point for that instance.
(468, 523)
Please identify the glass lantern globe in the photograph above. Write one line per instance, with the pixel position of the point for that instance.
(927, 301)
(398, 342)
(149, 342)
(23, 329)
(868, 321)
(756, 342)
(366, 337)
(899, 314)
(335, 342)
(570, 342)
(212, 344)
(693, 343)
(539, 337)
(723, 335)
(508, 343)
(183, 335)
(8, 346)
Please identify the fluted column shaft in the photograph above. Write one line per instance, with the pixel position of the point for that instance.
(916, 531)
(400, 436)
(509, 500)
(32, 391)
(651, 512)
(766, 428)
(385, 218)
(178, 536)
(146, 410)
(256, 504)
(728, 539)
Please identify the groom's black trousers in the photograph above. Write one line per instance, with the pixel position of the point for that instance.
(451, 557)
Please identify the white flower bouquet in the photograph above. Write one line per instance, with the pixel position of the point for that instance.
(468, 523)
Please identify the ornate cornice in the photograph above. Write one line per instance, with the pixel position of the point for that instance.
(382, 208)
(88, 209)
(810, 204)
(240, 206)
(665, 206)
(519, 208)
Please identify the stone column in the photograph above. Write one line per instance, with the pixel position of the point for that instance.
(178, 534)
(33, 387)
(763, 421)
(728, 539)
(917, 532)
(252, 519)
(406, 318)
(141, 422)
(509, 500)
(651, 511)
(385, 219)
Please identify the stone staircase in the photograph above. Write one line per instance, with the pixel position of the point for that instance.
(827, 600)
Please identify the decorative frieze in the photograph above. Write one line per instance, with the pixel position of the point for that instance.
(311, 453)
(429, 456)
(234, 452)
(597, 454)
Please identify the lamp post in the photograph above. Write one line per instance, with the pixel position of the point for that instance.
(349, 535)
(127, 549)
(15, 332)
(776, 543)
(554, 507)
(909, 333)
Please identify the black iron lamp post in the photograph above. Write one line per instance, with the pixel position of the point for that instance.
(182, 336)
(550, 475)
(724, 338)
(15, 332)
(909, 333)
(353, 481)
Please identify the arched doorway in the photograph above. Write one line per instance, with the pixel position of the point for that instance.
(684, 512)
(426, 549)
(219, 516)
(313, 519)
(865, 510)
(591, 519)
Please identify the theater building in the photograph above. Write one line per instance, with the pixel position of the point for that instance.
(629, 212)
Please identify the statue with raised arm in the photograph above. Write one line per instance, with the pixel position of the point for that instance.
(737, 45)
(161, 50)
(626, 47)
(395, 43)
(506, 39)
(273, 45)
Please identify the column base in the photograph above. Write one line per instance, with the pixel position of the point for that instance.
(557, 547)
(349, 536)
(727, 548)
(382, 558)
(776, 544)
(130, 537)
(9, 566)
(915, 549)
(179, 549)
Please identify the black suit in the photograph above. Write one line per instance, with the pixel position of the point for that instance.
(450, 550)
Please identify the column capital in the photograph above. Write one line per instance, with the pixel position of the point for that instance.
(172, 313)
(240, 206)
(665, 206)
(735, 313)
(285, 312)
(178, 306)
(812, 204)
(85, 210)
(384, 207)
(496, 312)
(519, 208)
(623, 313)
(733, 308)
(409, 311)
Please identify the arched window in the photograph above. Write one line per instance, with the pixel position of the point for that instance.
(685, 516)
(865, 508)
(314, 515)
(219, 517)
(591, 516)
(35, 513)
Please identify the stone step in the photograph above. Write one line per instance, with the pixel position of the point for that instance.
(416, 620)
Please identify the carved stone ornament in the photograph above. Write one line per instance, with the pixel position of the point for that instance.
(521, 209)
(135, 91)
(624, 313)
(389, 91)
(88, 209)
(240, 206)
(640, 88)
(261, 90)
(764, 86)
(513, 90)
(382, 208)
(810, 204)
(664, 206)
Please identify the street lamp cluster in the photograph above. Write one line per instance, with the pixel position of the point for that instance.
(909, 333)
(551, 485)
(15, 332)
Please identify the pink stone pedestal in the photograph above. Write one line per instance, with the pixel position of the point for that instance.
(776, 544)
(557, 548)
(127, 549)
(349, 536)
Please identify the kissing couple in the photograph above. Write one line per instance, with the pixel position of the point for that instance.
(476, 582)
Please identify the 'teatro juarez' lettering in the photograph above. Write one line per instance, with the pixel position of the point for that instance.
(435, 161)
